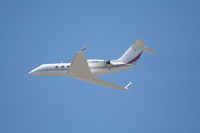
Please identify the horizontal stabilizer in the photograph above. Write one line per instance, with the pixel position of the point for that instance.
(128, 85)
(148, 50)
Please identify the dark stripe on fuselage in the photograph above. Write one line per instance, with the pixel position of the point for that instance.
(135, 59)
(52, 70)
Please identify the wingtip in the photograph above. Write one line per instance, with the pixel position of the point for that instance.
(84, 48)
(128, 86)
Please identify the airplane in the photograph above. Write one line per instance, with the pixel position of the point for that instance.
(90, 70)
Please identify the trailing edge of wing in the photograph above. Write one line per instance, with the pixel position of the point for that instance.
(98, 81)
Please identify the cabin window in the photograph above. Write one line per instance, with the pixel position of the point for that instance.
(62, 66)
(56, 66)
(67, 66)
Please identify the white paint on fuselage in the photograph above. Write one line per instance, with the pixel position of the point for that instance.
(97, 67)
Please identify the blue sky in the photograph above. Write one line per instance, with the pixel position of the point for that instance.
(165, 93)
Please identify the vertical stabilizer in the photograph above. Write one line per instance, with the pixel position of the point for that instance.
(133, 53)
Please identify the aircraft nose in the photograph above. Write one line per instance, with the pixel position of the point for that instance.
(34, 72)
(31, 72)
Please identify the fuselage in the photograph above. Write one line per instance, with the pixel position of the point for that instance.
(89, 70)
(97, 67)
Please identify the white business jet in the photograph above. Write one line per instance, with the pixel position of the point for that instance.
(89, 70)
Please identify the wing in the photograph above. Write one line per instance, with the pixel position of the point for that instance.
(95, 80)
(79, 66)
(79, 69)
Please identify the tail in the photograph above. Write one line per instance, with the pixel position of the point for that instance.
(132, 55)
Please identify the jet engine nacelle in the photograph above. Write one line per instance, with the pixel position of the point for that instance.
(107, 62)
(99, 63)
(104, 63)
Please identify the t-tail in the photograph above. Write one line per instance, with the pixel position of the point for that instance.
(132, 55)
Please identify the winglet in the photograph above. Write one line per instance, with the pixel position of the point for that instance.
(84, 48)
(128, 85)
